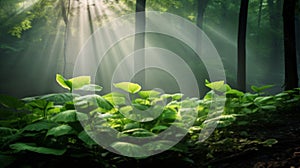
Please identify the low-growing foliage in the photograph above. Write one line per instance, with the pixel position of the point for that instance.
(51, 125)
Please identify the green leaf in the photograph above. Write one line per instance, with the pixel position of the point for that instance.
(63, 82)
(128, 87)
(159, 128)
(158, 145)
(94, 99)
(69, 116)
(269, 142)
(234, 92)
(22, 146)
(268, 107)
(11, 102)
(91, 87)
(73, 83)
(129, 149)
(148, 94)
(60, 130)
(131, 126)
(86, 138)
(58, 98)
(260, 89)
(217, 85)
(80, 81)
(177, 96)
(40, 125)
(115, 98)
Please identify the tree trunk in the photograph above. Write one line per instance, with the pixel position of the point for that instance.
(290, 57)
(65, 13)
(201, 9)
(259, 19)
(139, 42)
(241, 67)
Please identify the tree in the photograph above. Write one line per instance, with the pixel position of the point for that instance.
(201, 9)
(241, 67)
(65, 12)
(139, 42)
(290, 57)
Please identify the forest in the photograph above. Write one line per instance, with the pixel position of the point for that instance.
(143, 83)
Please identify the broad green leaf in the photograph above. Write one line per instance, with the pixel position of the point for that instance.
(60, 130)
(264, 100)
(115, 98)
(148, 94)
(69, 116)
(58, 98)
(10, 102)
(158, 145)
(217, 85)
(177, 96)
(269, 142)
(168, 115)
(141, 102)
(80, 81)
(94, 99)
(260, 89)
(128, 87)
(91, 87)
(234, 92)
(159, 128)
(40, 125)
(268, 107)
(129, 149)
(125, 109)
(63, 82)
(42, 150)
(131, 126)
(86, 138)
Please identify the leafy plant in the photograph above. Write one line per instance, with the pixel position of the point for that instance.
(53, 126)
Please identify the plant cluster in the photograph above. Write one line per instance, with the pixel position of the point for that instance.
(62, 124)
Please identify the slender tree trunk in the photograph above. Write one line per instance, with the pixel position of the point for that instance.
(241, 67)
(275, 32)
(291, 75)
(139, 42)
(201, 9)
(259, 19)
(65, 13)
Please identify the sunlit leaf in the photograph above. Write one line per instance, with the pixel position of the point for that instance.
(63, 82)
(91, 87)
(69, 116)
(148, 94)
(217, 85)
(128, 87)
(115, 98)
(80, 81)
(60, 130)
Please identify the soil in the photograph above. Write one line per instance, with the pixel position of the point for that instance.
(285, 128)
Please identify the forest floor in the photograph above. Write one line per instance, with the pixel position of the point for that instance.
(285, 128)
